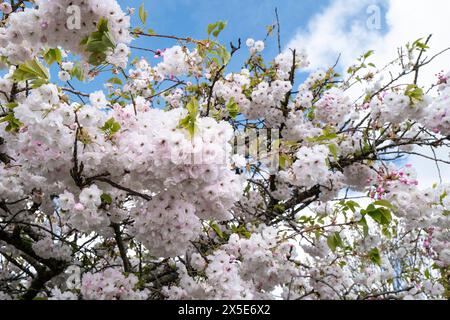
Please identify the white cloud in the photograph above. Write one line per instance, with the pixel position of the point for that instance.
(342, 29)
(339, 29)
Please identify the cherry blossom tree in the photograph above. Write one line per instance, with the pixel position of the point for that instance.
(182, 179)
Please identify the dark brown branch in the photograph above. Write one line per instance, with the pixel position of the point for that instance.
(55, 267)
(17, 264)
(121, 246)
(417, 66)
(76, 92)
(278, 30)
(118, 186)
(168, 37)
(380, 294)
(218, 74)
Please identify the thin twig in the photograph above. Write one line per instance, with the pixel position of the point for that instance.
(278, 30)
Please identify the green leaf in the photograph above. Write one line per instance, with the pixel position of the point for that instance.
(285, 161)
(38, 83)
(98, 43)
(31, 70)
(363, 223)
(279, 208)
(334, 241)
(115, 80)
(327, 135)
(386, 214)
(352, 205)
(269, 29)
(108, 39)
(334, 151)
(216, 28)
(189, 122)
(385, 231)
(97, 46)
(111, 127)
(102, 25)
(368, 54)
(77, 72)
(52, 55)
(106, 198)
(384, 203)
(220, 27)
(375, 257)
(211, 27)
(143, 14)
(233, 108)
(418, 44)
(442, 197)
(11, 105)
(241, 230)
(414, 93)
(380, 215)
(222, 53)
(217, 230)
(13, 124)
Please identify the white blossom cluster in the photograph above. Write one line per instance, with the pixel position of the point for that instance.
(438, 113)
(333, 108)
(179, 61)
(231, 87)
(126, 173)
(396, 108)
(358, 176)
(154, 152)
(241, 269)
(328, 279)
(142, 75)
(64, 73)
(310, 168)
(47, 249)
(255, 46)
(167, 225)
(111, 284)
(45, 146)
(266, 263)
(50, 25)
(420, 209)
(163, 158)
(118, 56)
(298, 127)
(223, 282)
(265, 99)
(285, 61)
(85, 214)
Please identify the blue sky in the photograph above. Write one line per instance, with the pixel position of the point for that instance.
(245, 19)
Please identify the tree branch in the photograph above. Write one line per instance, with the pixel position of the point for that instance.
(121, 246)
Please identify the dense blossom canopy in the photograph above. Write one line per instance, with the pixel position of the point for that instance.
(181, 179)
